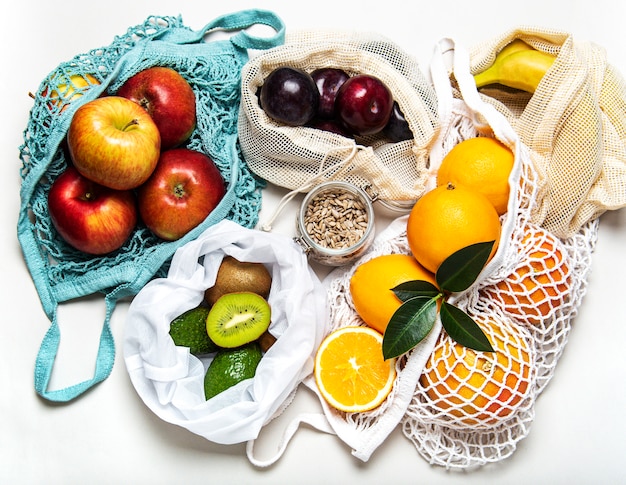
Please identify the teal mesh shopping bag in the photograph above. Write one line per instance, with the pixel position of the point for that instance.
(213, 69)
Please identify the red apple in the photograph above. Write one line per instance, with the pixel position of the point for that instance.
(114, 142)
(364, 104)
(183, 190)
(168, 99)
(88, 216)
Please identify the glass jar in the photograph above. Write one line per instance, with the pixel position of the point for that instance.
(335, 223)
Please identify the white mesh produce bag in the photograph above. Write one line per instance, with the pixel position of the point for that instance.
(430, 399)
(444, 428)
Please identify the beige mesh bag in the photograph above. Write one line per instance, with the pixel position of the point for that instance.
(298, 158)
(574, 125)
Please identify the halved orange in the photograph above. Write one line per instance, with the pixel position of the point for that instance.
(350, 370)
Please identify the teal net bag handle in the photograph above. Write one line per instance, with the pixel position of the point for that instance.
(60, 273)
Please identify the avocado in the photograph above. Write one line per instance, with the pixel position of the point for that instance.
(189, 330)
(231, 366)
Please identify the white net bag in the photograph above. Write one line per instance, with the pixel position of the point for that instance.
(461, 408)
(471, 408)
(365, 431)
(298, 158)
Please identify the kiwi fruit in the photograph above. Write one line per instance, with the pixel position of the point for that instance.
(266, 340)
(238, 318)
(234, 276)
(189, 330)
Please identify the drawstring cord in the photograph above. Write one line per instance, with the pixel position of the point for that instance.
(314, 180)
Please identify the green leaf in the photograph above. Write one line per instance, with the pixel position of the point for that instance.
(459, 271)
(409, 325)
(462, 328)
(410, 289)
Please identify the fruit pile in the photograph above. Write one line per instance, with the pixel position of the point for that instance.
(232, 323)
(128, 163)
(330, 99)
(399, 295)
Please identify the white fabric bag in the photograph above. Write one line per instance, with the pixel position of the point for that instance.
(170, 380)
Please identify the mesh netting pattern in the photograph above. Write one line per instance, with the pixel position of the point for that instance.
(297, 158)
(466, 409)
(574, 124)
(214, 75)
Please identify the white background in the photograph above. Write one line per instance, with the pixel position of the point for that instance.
(109, 436)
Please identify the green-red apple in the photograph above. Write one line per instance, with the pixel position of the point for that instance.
(183, 190)
(169, 100)
(114, 142)
(88, 216)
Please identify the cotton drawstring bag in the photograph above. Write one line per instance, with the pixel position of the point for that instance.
(213, 69)
(574, 124)
(298, 158)
(170, 380)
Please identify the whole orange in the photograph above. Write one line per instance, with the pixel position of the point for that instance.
(479, 389)
(541, 282)
(449, 218)
(372, 282)
(483, 164)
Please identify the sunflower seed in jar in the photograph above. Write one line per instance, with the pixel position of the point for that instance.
(336, 219)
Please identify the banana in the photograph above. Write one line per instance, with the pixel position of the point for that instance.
(518, 68)
(515, 45)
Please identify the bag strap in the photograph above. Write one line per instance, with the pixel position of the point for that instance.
(236, 21)
(245, 19)
(44, 362)
(316, 420)
(449, 58)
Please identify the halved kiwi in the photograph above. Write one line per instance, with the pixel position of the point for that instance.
(238, 318)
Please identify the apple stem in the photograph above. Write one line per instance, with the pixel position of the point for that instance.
(132, 122)
(179, 191)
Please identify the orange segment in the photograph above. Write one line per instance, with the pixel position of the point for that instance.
(350, 370)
